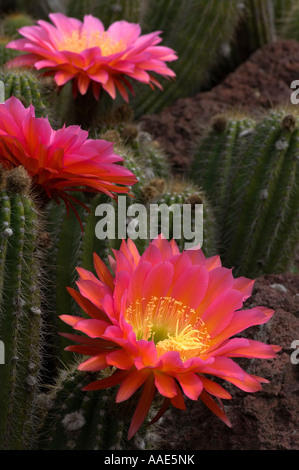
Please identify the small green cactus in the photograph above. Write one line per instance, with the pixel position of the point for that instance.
(20, 311)
(251, 174)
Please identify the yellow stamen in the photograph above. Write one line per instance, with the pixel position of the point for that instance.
(170, 324)
(78, 42)
(189, 343)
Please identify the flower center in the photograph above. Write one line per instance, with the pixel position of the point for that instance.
(170, 324)
(78, 42)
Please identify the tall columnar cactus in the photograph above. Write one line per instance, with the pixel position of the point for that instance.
(25, 86)
(198, 30)
(20, 311)
(215, 163)
(255, 191)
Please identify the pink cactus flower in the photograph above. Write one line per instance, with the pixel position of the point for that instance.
(165, 320)
(58, 161)
(90, 56)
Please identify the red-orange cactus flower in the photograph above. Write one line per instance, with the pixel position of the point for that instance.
(87, 54)
(58, 161)
(165, 320)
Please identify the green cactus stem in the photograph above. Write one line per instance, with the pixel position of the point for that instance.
(252, 178)
(70, 248)
(20, 312)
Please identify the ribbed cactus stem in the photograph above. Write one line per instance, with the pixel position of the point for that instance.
(278, 239)
(216, 163)
(70, 248)
(256, 204)
(250, 188)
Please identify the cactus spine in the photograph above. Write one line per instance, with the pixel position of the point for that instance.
(258, 217)
(20, 314)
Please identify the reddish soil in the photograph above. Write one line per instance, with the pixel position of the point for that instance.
(263, 81)
(265, 420)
